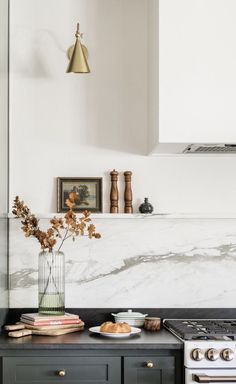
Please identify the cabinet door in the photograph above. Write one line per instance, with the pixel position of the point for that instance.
(149, 370)
(73, 370)
(197, 77)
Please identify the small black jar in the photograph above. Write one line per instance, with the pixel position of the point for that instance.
(146, 207)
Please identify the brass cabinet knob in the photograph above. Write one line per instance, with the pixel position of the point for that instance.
(149, 364)
(62, 373)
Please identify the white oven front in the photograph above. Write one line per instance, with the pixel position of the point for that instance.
(214, 376)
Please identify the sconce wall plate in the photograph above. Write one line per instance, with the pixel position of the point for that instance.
(71, 49)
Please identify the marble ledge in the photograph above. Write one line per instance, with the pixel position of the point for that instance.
(164, 216)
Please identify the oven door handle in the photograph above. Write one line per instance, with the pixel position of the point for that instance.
(214, 379)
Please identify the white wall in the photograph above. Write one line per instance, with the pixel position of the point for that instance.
(86, 125)
(75, 125)
(3, 108)
(3, 155)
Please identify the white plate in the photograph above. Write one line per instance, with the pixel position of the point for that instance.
(134, 331)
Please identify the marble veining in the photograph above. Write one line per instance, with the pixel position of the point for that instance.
(137, 263)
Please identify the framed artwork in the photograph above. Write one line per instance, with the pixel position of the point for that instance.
(89, 190)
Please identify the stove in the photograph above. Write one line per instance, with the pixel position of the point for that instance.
(209, 349)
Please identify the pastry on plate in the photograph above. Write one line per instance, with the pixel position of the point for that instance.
(109, 327)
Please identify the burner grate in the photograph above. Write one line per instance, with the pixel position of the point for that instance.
(202, 329)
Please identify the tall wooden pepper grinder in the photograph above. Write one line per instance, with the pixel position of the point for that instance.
(128, 192)
(114, 195)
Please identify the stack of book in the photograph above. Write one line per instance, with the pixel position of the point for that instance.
(67, 320)
(38, 324)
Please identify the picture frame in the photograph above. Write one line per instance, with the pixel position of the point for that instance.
(89, 190)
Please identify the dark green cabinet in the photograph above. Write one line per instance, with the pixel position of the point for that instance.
(90, 367)
(149, 370)
(67, 370)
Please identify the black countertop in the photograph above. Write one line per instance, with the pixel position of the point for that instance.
(86, 341)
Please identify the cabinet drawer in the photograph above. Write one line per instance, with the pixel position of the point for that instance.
(73, 370)
(149, 370)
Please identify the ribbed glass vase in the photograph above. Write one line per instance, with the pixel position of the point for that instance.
(51, 283)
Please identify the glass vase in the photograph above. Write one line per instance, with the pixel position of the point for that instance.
(51, 283)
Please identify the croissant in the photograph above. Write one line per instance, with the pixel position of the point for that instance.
(110, 327)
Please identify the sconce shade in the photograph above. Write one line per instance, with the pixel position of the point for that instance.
(78, 61)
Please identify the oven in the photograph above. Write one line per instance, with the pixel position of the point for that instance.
(209, 349)
(214, 376)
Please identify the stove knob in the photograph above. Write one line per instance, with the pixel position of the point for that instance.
(227, 354)
(212, 354)
(197, 354)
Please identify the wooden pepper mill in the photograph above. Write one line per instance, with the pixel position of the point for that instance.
(114, 195)
(128, 192)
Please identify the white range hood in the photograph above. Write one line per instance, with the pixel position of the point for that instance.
(192, 76)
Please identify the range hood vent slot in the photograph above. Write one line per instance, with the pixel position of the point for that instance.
(210, 148)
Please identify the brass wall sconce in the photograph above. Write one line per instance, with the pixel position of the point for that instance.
(77, 55)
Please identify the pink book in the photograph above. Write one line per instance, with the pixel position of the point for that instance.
(39, 317)
(50, 322)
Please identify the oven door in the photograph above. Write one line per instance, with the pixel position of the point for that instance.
(219, 376)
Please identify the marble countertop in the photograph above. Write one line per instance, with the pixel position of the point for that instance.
(87, 341)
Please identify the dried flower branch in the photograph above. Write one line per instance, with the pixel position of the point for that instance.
(61, 228)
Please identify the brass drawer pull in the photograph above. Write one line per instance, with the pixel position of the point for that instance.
(149, 364)
(61, 373)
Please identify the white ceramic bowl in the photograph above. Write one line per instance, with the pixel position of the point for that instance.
(134, 319)
(132, 322)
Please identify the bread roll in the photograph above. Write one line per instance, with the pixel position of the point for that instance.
(109, 327)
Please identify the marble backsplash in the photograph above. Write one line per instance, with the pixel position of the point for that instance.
(145, 262)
